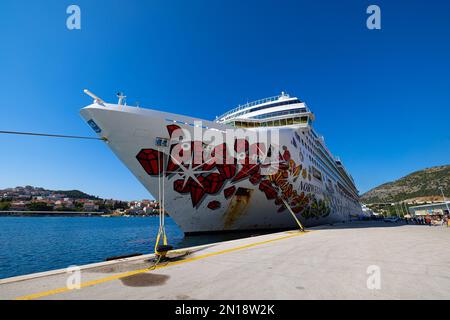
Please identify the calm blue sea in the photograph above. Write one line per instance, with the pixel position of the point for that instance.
(36, 244)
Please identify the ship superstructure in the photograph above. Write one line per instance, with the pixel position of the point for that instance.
(285, 111)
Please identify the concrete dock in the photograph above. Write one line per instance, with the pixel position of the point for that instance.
(359, 260)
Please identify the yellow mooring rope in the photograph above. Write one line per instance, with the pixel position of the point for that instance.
(293, 215)
(161, 198)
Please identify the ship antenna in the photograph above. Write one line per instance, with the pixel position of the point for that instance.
(121, 97)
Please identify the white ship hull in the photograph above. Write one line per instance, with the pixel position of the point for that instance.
(231, 205)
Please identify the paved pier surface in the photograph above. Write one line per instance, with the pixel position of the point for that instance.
(328, 262)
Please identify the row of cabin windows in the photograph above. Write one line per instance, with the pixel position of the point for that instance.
(279, 113)
(272, 105)
(309, 146)
(272, 123)
(312, 147)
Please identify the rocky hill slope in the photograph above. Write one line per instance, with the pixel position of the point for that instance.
(420, 184)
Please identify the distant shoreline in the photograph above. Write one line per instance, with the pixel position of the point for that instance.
(12, 213)
(49, 213)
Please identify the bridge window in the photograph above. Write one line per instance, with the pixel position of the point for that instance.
(272, 123)
(278, 113)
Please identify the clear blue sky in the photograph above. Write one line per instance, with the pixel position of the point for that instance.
(381, 97)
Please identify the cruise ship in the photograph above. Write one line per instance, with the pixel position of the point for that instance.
(265, 164)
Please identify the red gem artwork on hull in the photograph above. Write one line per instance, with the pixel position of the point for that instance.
(171, 128)
(227, 171)
(255, 178)
(191, 186)
(213, 183)
(213, 205)
(266, 187)
(216, 169)
(228, 192)
(171, 165)
(241, 145)
(148, 158)
(180, 187)
(286, 154)
(208, 166)
(197, 190)
(246, 171)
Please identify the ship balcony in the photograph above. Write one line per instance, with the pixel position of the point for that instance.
(267, 103)
(282, 96)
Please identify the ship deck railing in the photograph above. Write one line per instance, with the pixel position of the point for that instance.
(251, 104)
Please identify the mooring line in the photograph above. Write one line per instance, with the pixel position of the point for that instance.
(49, 135)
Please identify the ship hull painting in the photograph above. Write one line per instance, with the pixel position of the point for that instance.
(226, 196)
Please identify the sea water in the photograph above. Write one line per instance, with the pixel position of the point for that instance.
(37, 244)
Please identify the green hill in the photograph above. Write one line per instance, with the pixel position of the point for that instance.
(424, 183)
(75, 194)
(30, 191)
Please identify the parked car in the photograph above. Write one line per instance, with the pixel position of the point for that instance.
(392, 219)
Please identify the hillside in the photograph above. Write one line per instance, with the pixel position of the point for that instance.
(424, 183)
(75, 194)
(30, 191)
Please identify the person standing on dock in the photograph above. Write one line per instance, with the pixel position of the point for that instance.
(428, 220)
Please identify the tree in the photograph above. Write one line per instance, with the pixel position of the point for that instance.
(120, 205)
(39, 206)
(4, 205)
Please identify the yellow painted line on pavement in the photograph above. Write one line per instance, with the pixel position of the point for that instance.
(160, 266)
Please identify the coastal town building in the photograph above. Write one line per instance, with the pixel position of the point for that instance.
(433, 209)
(30, 198)
(90, 206)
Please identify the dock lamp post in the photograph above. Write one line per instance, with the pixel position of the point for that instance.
(443, 196)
